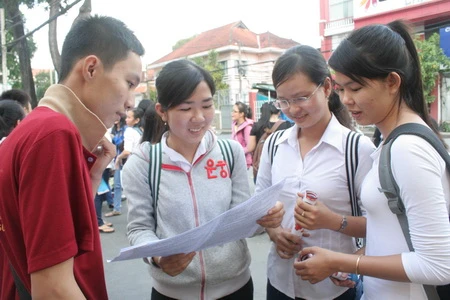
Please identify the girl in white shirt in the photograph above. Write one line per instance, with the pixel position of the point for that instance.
(131, 139)
(311, 156)
(378, 79)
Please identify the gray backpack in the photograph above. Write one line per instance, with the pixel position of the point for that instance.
(390, 188)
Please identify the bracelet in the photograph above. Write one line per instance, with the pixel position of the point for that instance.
(357, 264)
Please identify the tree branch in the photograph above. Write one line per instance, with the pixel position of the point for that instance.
(63, 11)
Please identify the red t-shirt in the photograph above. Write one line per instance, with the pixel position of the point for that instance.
(46, 206)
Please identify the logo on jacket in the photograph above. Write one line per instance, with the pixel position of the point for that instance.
(213, 169)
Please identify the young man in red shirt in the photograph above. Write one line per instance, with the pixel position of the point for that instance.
(52, 164)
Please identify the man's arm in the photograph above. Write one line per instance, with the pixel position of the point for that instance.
(56, 282)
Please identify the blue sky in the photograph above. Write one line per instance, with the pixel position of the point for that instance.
(160, 24)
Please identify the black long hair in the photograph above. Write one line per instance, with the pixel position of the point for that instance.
(361, 57)
(153, 125)
(267, 110)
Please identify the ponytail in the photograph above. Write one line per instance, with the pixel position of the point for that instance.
(412, 91)
(153, 125)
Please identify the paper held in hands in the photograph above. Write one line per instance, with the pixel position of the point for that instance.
(234, 224)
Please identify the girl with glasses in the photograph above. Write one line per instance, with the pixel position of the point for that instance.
(379, 80)
(310, 156)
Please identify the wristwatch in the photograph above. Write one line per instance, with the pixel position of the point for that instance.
(343, 223)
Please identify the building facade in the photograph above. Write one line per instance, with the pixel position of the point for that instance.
(245, 57)
(340, 17)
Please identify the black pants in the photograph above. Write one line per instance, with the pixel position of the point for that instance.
(244, 293)
(274, 294)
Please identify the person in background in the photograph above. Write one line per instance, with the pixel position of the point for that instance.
(143, 104)
(378, 78)
(20, 96)
(11, 114)
(310, 156)
(241, 126)
(188, 196)
(270, 115)
(52, 163)
(132, 138)
(104, 194)
(117, 136)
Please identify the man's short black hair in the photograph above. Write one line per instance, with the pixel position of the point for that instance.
(106, 37)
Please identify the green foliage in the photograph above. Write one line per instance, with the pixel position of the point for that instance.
(42, 82)
(180, 43)
(445, 126)
(152, 95)
(12, 57)
(211, 64)
(431, 58)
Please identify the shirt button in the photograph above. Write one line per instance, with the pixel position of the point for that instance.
(90, 159)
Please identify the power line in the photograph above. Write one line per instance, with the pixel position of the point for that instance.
(63, 11)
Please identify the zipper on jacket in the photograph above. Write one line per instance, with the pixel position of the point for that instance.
(197, 224)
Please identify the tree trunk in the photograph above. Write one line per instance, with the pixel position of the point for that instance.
(84, 12)
(14, 14)
(52, 35)
(55, 7)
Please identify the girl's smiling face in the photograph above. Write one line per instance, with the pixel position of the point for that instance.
(189, 121)
(306, 113)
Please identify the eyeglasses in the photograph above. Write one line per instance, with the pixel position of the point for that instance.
(283, 104)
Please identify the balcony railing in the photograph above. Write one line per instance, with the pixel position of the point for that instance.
(339, 26)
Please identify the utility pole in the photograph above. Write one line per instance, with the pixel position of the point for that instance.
(240, 72)
(3, 37)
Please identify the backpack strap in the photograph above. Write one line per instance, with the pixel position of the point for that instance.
(272, 148)
(227, 153)
(351, 166)
(154, 173)
(390, 188)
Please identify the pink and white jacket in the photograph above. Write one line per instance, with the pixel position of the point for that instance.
(242, 135)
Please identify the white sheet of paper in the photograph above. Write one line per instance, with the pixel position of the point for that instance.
(234, 224)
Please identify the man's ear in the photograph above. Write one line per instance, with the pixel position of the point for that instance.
(91, 66)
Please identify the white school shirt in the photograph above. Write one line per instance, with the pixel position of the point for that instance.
(131, 139)
(424, 188)
(322, 171)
